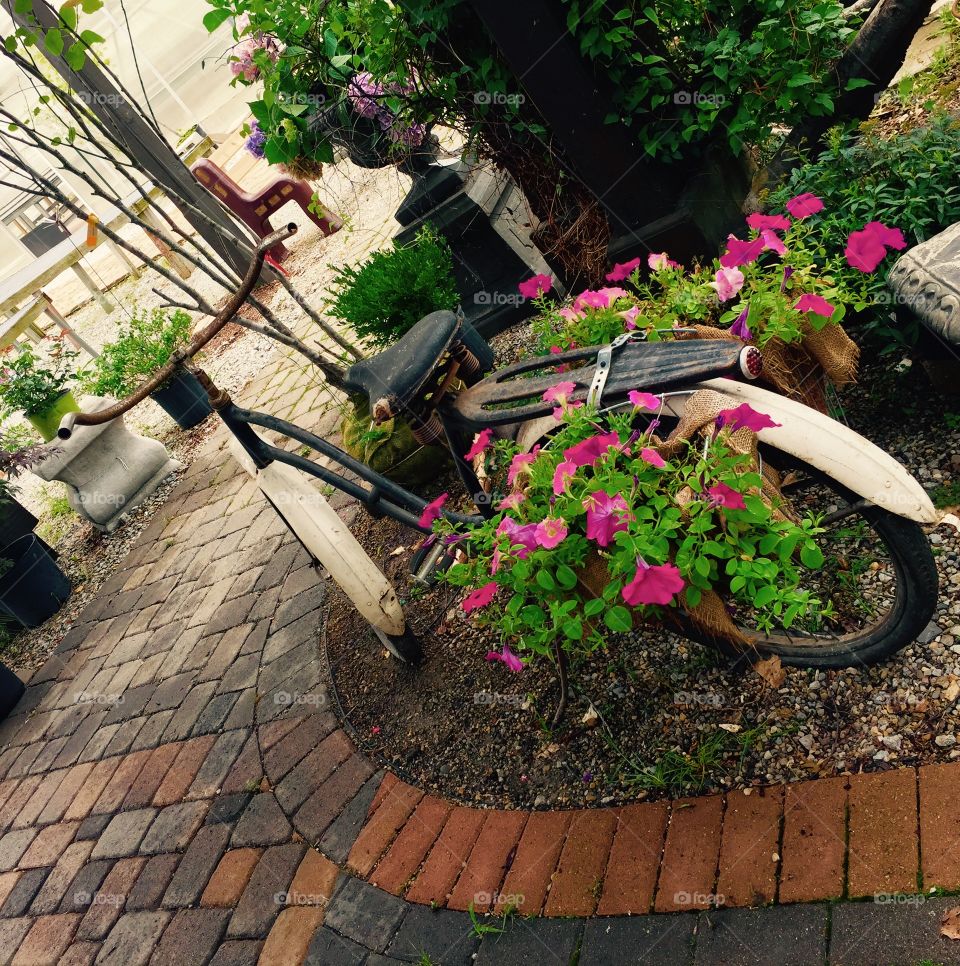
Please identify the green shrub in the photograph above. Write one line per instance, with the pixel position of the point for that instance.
(31, 384)
(143, 347)
(385, 296)
(910, 182)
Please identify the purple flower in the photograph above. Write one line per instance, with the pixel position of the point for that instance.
(740, 328)
(256, 141)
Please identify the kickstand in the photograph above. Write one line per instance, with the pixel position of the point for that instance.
(561, 656)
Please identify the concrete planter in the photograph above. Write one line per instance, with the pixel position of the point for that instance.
(107, 469)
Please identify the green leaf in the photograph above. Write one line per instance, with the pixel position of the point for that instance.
(545, 580)
(693, 597)
(53, 41)
(764, 596)
(573, 629)
(76, 56)
(618, 619)
(593, 607)
(91, 37)
(23, 6)
(214, 18)
(566, 577)
(91, 6)
(811, 556)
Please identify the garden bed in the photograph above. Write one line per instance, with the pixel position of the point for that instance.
(671, 717)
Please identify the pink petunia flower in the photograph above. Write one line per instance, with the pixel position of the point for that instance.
(614, 292)
(741, 252)
(889, 237)
(560, 393)
(810, 302)
(590, 299)
(480, 444)
(590, 450)
(512, 500)
(804, 205)
(521, 464)
(506, 656)
(432, 510)
(562, 476)
(772, 242)
(523, 537)
(630, 317)
(550, 532)
(653, 585)
(480, 597)
(722, 495)
(606, 516)
(740, 328)
(538, 285)
(758, 222)
(652, 457)
(660, 261)
(745, 416)
(643, 400)
(728, 282)
(623, 270)
(570, 314)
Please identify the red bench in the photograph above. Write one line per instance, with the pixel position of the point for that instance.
(254, 210)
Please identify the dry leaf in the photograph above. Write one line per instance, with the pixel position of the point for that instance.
(397, 551)
(771, 670)
(590, 717)
(950, 923)
(732, 728)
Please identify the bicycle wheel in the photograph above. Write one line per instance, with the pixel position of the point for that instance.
(879, 573)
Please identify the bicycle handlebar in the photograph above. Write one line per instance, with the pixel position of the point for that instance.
(234, 304)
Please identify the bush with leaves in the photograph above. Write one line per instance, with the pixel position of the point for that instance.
(911, 181)
(31, 383)
(385, 296)
(143, 346)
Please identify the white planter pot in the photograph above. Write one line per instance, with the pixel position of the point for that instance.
(107, 469)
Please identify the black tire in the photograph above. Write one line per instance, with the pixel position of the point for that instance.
(917, 587)
(404, 647)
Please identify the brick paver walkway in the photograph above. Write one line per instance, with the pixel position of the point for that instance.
(174, 790)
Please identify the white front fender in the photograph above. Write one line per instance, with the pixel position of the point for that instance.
(828, 445)
(328, 539)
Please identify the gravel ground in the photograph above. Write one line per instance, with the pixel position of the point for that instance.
(655, 714)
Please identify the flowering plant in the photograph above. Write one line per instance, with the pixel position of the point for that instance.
(31, 384)
(767, 286)
(666, 523)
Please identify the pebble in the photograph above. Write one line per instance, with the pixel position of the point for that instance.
(945, 741)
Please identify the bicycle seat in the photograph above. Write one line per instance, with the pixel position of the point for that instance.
(397, 374)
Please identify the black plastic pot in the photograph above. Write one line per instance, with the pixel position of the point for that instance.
(15, 521)
(34, 588)
(11, 690)
(184, 400)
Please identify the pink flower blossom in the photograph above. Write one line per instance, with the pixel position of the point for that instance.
(652, 457)
(590, 299)
(745, 416)
(538, 285)
(728, 282)
(722, 495)
(480, 597)
(890, 237)
(623, 270)
(659, 261)
(772, 242)
(653, 585)
(630, 317)
(570, 314)
(555, 350)
(758, 222)
(523, 537)
(740, 328)
(804, 205)
(606, 516)
(480, 444)
(550, 532)
(559, 393)
(809, 302)
(521, 464)
(613, 293)
(431, 511)
(643, 400)
(562, 476)
(495, 561)
(590, 450)
(512, 500)
(868, 247)
(506, 656)
(741, 252)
